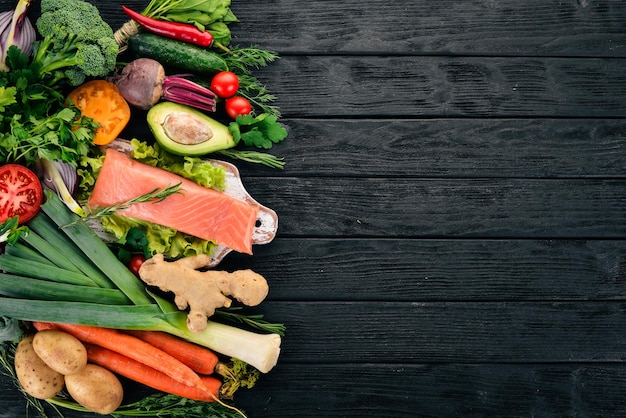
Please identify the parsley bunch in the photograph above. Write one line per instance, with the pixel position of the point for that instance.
(35, 123)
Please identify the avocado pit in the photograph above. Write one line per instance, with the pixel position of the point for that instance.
(183, 128)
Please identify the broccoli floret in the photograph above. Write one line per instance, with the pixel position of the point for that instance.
(76, 42)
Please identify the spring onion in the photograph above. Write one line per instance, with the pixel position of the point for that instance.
(142, 309)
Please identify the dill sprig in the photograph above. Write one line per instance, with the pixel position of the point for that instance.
(246, 59)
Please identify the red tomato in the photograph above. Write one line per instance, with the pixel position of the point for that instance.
(20, 193)
(135, 263)
(225, 84)
(237, 106)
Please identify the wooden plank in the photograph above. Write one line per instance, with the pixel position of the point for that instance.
(435, 86)
(503, 27)
(450, 332)
(439, 390)
(399, 390)
(469, 208)
(438, 270)
(526, 148)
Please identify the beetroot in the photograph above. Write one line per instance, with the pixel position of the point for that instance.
(143, 83)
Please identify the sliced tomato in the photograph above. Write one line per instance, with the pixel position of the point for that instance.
(20, 193)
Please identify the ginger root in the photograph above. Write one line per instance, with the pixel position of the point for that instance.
(202, 291)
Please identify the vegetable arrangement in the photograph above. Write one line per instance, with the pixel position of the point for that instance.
(89, 294)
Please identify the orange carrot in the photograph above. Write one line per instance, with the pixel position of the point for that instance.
(131, 347)
(148, 376)
(200, 359)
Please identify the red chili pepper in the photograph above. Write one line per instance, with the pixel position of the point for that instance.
(175, 30)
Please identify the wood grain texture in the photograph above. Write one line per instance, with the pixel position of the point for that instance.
(436, 86)
(418, 207)
(452, 215)
(449, 148)
(407, 270)
(441, 390)
(450, 27)
(338, 332)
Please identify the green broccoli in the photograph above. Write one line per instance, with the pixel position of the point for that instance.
(76, 43)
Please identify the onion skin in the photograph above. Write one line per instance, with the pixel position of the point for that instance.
(16, 29)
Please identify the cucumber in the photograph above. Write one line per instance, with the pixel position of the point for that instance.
(174, 53)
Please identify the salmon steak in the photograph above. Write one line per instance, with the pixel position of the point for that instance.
(196, 210)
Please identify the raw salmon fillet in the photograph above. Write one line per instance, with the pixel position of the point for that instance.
(198, 211)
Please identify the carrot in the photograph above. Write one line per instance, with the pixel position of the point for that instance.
(131, 347)
(148, 376)
(197, 358)
(102, 101)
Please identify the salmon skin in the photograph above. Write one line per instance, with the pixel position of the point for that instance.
(199, 211)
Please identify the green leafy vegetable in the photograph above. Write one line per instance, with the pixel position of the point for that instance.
(10, 230)
(260, 131)
(192, 168)
(211, 15)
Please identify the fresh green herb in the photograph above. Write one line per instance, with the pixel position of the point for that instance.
(64, 136)
(255, 321)
(158, 405)
(154, 196)
(243, 60)
(10, 230)
(260, 131)
(211, 15)
(257, 94)
(254, 157)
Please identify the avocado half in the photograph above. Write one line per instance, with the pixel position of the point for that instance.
(183, 130)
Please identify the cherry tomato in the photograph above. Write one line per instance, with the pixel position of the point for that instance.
(225, 84)
(20, 193)
(237, 106)
(135, 263)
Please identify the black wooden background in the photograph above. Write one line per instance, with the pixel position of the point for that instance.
(452, 215)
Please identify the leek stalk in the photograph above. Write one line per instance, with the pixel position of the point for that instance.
(15, 265)
(30, 288)
(95, 250)
(28, 254)
(44, 226)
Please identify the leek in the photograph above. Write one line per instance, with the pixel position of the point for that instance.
(25, 268)
(128, 306)
(28, 254)
(46, 228)
(17, 287)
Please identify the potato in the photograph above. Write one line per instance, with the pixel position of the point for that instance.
(36, 378)
(95, 388)
(60, 351)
